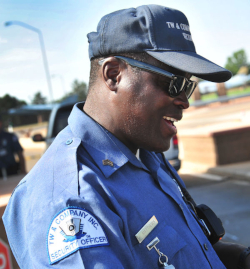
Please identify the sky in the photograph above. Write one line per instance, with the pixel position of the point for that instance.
(218, 28)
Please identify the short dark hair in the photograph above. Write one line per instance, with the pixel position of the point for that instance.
(94, 68)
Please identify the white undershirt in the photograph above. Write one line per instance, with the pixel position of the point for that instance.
(137, 155)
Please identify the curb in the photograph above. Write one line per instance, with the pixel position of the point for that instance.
(239, 171)
(243, 175)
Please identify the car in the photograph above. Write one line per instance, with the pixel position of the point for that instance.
(172, 154)
(59, 119)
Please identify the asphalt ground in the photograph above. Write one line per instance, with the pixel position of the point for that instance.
(229, 198)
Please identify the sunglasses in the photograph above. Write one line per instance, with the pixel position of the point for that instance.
(177, 85)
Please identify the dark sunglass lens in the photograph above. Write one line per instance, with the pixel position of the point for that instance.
(179, 84)
(190, 88)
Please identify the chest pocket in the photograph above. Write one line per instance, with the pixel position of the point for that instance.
(170, 244)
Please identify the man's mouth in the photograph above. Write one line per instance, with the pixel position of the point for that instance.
(170, 120)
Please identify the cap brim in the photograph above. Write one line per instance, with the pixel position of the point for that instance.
(192, 63)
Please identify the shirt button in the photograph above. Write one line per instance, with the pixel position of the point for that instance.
(205, 246)
(69, 141)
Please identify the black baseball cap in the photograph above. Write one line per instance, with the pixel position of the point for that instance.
(161, 32)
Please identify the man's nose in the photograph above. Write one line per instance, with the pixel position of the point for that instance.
(182, 100)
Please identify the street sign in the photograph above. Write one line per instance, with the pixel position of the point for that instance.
(5, 260)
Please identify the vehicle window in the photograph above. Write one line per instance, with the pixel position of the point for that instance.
(61, 121)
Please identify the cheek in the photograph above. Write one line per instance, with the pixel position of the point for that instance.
(146, 112)
(142, 105)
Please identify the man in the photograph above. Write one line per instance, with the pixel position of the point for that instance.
(9, 147)
(91, 202)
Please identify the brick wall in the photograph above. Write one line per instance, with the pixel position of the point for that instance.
(217, 148)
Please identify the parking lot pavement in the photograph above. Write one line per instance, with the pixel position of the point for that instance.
(229, 198)
(236, 170)
(197, 180)
(6, 188)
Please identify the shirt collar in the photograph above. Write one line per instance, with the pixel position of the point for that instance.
(108, 152)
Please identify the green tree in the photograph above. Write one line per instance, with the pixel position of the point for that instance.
(238, 59)
(38, 99)
(7, 102)
(79, 89)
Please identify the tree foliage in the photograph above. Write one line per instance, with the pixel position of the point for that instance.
(7, 102)
(236, 61)
(79, 89)
(38, 99)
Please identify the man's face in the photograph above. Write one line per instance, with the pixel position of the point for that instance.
(144, 109)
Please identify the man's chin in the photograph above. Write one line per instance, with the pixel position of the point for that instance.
(160, 148)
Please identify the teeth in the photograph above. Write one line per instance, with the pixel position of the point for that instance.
(171, 119)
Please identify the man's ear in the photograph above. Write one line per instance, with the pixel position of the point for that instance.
(111, 72)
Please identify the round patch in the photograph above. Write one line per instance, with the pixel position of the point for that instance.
(71, 229)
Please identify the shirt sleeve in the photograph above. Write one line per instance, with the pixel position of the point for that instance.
(98, 242)
(102, 242)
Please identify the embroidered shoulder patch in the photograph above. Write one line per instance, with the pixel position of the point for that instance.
(71, 229)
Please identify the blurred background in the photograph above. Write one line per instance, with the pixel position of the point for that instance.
(44, 70)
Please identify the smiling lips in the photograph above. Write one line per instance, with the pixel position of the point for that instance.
(170, 120)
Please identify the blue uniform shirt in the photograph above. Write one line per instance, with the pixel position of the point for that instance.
(86, 199)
